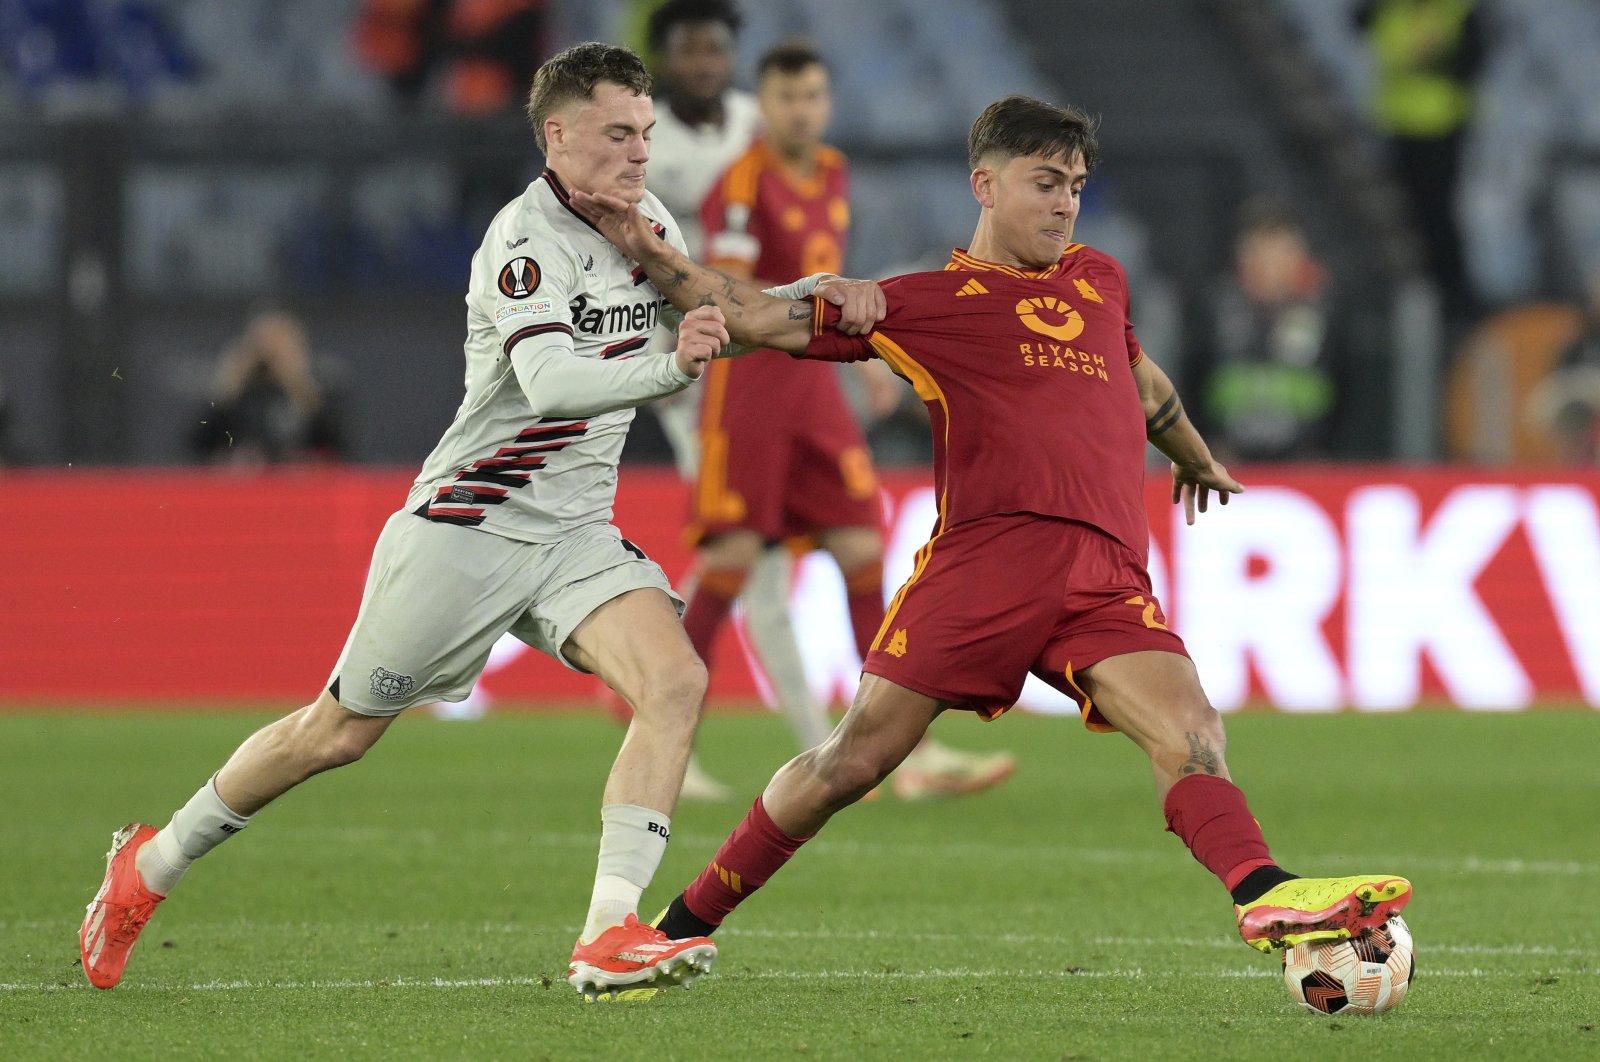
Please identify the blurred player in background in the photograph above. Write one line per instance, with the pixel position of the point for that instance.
(781, 455)
(703, 123)
(1043, 403)
(508, 528)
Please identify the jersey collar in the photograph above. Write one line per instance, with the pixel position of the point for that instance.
(564, 197)
(960, 259)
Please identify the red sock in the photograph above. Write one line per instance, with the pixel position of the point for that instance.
(709, 606)
(1209, 814)
(864, 594)
(751, 854)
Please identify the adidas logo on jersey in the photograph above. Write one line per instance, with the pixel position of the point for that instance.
(972, 287)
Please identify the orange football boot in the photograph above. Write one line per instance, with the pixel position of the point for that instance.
(118, 911)
(634, 955)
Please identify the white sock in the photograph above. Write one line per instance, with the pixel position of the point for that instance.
(197, 827)
(766, 618)
(632, 840)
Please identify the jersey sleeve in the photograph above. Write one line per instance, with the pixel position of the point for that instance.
(725, 218)
(528, 297)
(829, 344)
(1135, 351)
(522, 279)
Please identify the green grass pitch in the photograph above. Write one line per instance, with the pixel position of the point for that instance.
(422, 904)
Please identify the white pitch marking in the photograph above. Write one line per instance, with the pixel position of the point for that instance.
(1131, 973)
(930, 852)
(1224, 943)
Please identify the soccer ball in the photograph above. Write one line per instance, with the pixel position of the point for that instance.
(1366, 975)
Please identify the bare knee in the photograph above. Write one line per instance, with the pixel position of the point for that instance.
(734, 551)
(854, 548)
(325, 735)
(847, 775)
(1195, 742)
(674, 693)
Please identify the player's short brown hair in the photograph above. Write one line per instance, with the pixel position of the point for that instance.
(790, 57)
(1018, 126)
(573, 74)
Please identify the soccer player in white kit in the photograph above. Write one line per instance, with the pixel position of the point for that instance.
(508, 528)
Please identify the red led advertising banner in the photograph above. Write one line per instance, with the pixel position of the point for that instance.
(1369, 588)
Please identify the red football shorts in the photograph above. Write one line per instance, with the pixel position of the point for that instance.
(780, 452)
(992, 599)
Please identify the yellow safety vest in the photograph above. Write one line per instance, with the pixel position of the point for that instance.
(1412, 43)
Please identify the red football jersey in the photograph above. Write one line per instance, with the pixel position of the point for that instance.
(1028, 377)
(762, 216)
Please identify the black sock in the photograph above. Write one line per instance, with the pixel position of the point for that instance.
(1257, 882)
(680, 922)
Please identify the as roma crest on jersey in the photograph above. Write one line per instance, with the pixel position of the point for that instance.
(519, 278)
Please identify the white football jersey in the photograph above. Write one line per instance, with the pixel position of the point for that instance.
(550, 302)
(686, 160)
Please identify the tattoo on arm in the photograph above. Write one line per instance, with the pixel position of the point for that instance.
(799, 311)
(1165, 417)
(1202, 757)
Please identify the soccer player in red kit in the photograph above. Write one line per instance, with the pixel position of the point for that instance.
(1042, 401)
(781, 454)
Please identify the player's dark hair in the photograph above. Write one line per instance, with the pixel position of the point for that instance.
(1018, 126)
(790, 57)
(675, 13)
(573, 74)
(1267, 215)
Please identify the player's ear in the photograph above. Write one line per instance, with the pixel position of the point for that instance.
(983, 186)
(553, 130)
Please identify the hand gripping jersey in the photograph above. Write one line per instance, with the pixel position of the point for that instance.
(1027, 375)
(561, 335)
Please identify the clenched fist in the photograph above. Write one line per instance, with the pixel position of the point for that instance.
(701, 336)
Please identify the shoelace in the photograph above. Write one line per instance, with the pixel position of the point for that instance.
(132, 919)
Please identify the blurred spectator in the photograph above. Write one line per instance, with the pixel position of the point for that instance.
(1566, 403)
(126, 44)
(703, 123)
(478, 56)
(267, 405)
(1271, 384)
(1428, 55)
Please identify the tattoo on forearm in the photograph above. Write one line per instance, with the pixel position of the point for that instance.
(799, 311)
(1202, 757)
(1165, 417)
(676, 280)
(730, 292)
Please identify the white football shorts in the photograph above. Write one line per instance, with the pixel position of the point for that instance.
(439, 595)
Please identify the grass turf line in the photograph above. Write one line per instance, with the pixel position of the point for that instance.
(423, 903)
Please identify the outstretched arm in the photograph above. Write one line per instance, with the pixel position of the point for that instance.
(1195, 473)
(753, 317)
(558, 383)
